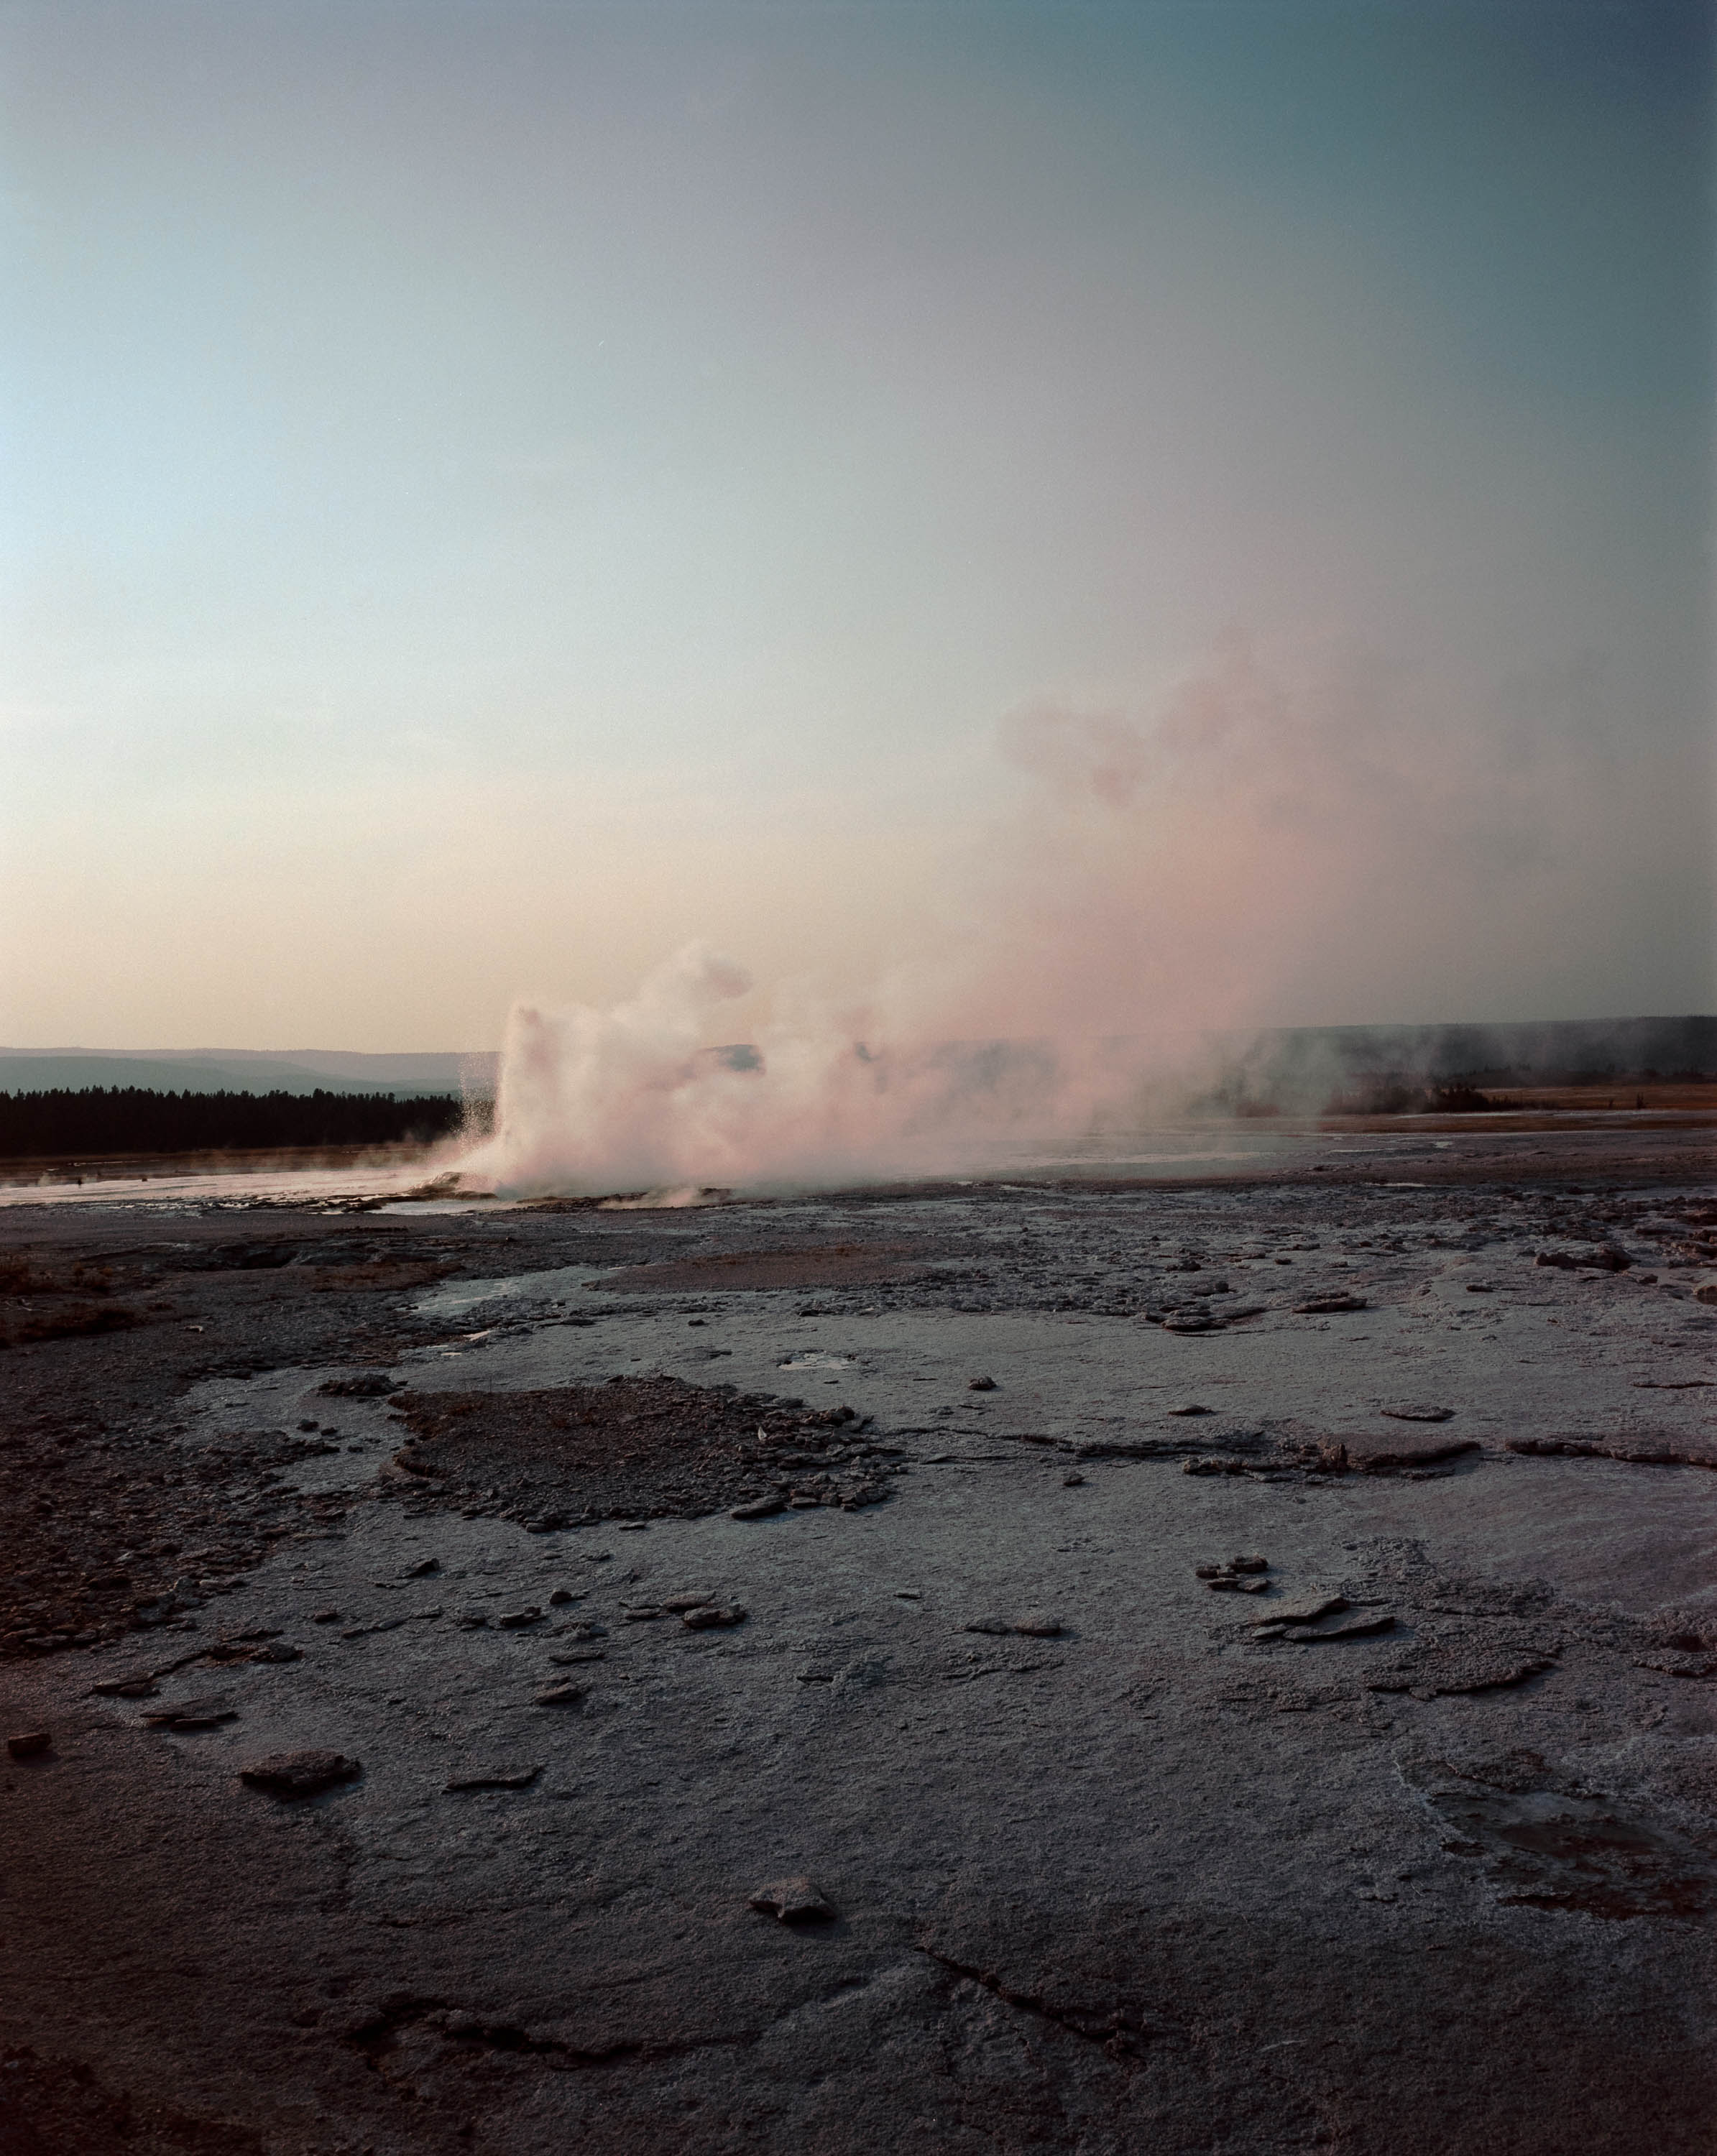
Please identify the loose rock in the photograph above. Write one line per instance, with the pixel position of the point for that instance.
(791, 1901)
(192, 1714)
(493, 1778)
(30, 1744)
(300, 1774)
(708, 1616)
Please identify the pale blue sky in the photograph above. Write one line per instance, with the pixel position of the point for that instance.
(490, 490)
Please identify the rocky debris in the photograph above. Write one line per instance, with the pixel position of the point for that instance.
(114, 1538)
(1033, 1626)
(1658, 1450)
(1189, 1408)
(325, 1617)
(1303, 1609)
(1072, 1482)
(1585, 1257)
(678, 1604)
(1442, 1667)
(1326, 1305)
(362, 1385)
(207, 1713)
(580, 1654)
(1383, 1455)
(562, 1695)
(794, 1901)
(710, 1616)
(300, 1774)
(1414, 1411)
(1672, 1661)
(140, 1687)
(254, 1650)
(640, 1613)
(630, 1450)
(1188, 1317)
(422, 1570)
(30, 1744)
(980, 1385)
(515, 1620)
(759, 1508)
(492, 1778)
(1355, 1627)
(561, 1597)
(1220, 1463)
(1236, 1575)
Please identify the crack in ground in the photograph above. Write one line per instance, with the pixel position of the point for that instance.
(1114, 2033)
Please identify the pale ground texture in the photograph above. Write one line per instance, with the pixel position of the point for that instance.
(1128, 1880)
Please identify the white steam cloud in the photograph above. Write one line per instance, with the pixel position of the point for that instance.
(1320, 844)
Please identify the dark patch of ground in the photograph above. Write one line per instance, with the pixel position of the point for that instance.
(635, 1448)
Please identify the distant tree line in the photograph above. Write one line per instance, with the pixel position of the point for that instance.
(104, 1119)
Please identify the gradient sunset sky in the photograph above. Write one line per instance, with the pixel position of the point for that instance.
(491, 491)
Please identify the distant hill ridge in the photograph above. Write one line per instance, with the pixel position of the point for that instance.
(1282, 1063)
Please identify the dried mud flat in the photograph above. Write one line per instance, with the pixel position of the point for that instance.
(1196, 1667)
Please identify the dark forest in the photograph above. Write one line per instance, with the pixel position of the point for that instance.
(128, 1119)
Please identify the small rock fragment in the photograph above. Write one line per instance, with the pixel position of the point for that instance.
(1304, 1608)
(1319, 1306)
(640, 1613)
(300, 1774)
(493, 1778)
(138, 1687)
(1190, 1408)
(791, 1901)
(1415, 1411)
(30, 1744)
(679, 1603)
(759, 1508)
(561, 1597)
(513, 1619)
(1355, 1628)
(1248, 1564)
(325, 1617)
(422, 1571)
(561, 1695)
(192, 1714)
(1072, 1482)
(710, 1616)
(980, 1385)
(1038, 1627)
(1585, 1257)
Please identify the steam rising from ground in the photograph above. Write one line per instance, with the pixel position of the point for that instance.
(637, 1099)
(1330, 845)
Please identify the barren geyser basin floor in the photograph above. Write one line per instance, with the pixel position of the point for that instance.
(1072, 1663)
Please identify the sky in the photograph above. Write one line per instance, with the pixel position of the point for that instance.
(1098, 517)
